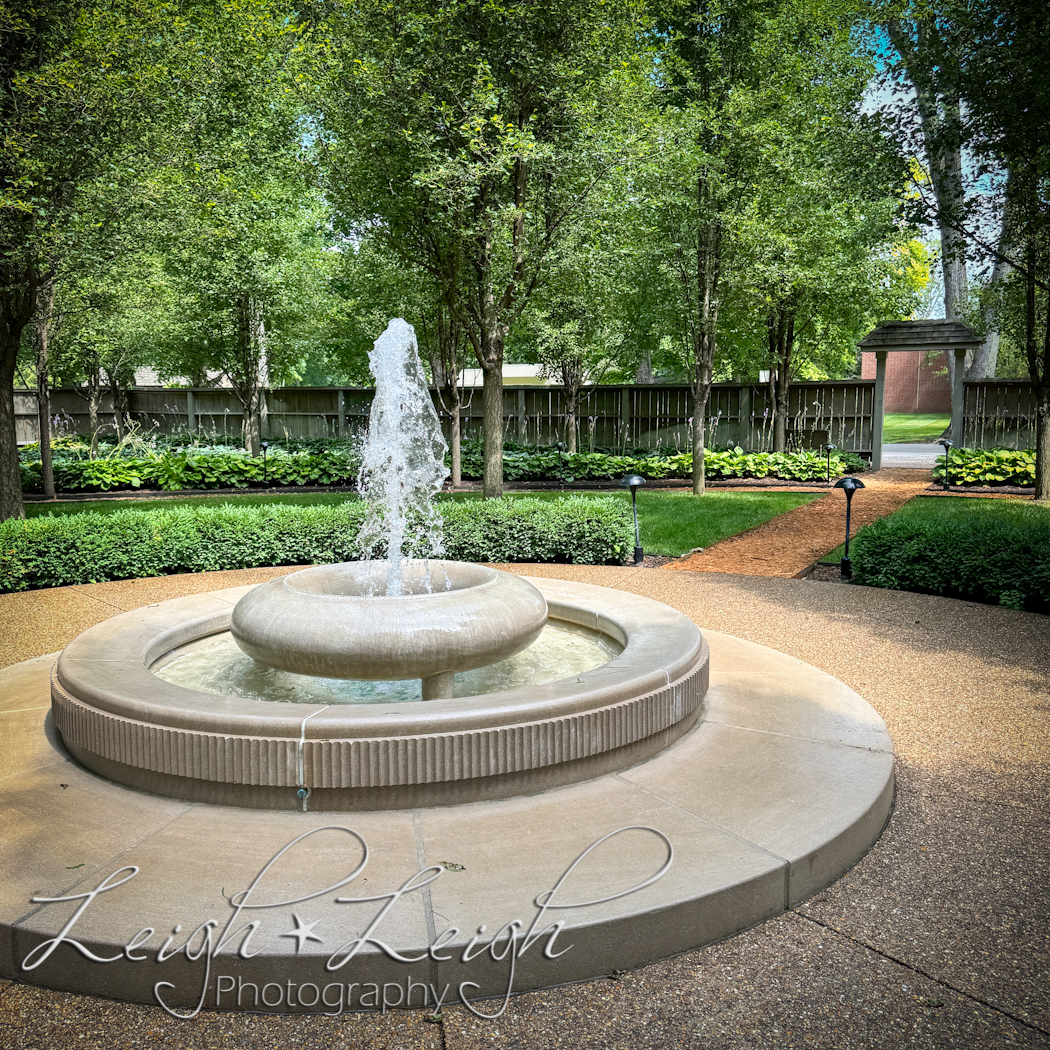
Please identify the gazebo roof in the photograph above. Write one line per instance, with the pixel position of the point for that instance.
(920, 335)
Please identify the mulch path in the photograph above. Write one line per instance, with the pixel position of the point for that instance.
(792, 542)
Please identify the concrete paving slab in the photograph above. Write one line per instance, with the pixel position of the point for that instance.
(808, 802)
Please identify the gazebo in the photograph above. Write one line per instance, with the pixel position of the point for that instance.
(953, 337)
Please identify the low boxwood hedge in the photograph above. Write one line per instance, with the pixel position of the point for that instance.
(56, 550)
(999, 555)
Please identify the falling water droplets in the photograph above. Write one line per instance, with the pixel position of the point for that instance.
(403, 461)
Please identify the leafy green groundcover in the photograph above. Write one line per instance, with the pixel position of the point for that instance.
(521, 463)
(195, 468)
(56, 550)
(992, 466)
(215, 467)
(985, 550)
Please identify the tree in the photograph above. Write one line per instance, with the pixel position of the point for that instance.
(473, 159)
(919, 34)
(747, 91)
(1000, 66)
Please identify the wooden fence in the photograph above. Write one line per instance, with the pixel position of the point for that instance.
(608, 416)
(999, 413)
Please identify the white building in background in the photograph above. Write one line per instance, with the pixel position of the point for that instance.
(513, 375)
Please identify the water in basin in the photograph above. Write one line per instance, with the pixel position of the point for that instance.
(216, 665)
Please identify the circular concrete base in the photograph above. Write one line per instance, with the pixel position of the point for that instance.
(782, 787)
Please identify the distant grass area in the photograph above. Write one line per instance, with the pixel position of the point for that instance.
(671, 523)
(947, 509)
(918, 429)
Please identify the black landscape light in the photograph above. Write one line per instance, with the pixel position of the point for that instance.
(849, 486)
(828, 449)
(634, 482)
(264, 445)
(947, 444)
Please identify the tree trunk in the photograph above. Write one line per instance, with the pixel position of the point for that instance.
(11, 505)
(43, 394)
(986, 357)
(1042, 447)
(119, 405)
(94, 400)
(492, 429)
(708, 266)
(781, 326)
(940, 119)
(643, 374)
(455, 449)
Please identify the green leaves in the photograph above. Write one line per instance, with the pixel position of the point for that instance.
(57, 550)
(995, 466)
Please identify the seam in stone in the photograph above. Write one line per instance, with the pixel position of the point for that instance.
(717, 827)
(428, 904)
(921, 972)
(808, 739)
(103, 864)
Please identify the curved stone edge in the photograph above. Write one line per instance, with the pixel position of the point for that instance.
(107, 668)
(376, 763)
(651, 928)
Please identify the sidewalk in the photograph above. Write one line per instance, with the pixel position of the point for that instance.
(792, 542)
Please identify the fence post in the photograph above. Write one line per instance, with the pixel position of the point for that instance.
(264, 414)
(522, 418)
(625, 414)
(191, 412)
(341, 409)
(743, 430)
(957, 395)
(877, 408)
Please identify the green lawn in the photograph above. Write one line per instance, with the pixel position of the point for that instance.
(920, 429)
(671, 523)
(932, 508)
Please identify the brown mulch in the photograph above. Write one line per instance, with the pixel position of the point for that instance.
(789, 544)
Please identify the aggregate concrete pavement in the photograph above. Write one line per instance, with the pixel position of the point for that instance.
(938, 937)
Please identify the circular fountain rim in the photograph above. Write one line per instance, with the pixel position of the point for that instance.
(126, 724)
(108, 667)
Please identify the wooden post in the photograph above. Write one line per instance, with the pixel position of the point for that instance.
(743, 431)
(958, 394)
(625, 414)
(264, 415)
(191, 412)
(523, 421)
(341, 409)
(877, 409)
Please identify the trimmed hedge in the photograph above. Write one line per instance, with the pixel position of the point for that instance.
(992, 466)
(997, 556)
(57, 550)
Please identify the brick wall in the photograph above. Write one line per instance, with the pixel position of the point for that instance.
(916, 382)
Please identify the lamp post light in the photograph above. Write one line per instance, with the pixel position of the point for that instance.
(828, 449)
(634, 482)
(947, 444)
(264, 445)
(849, 486)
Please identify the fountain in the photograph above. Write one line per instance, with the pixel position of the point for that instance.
(483, 748)
(157, 722)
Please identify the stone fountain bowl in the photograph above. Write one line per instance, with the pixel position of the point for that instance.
(338, 621)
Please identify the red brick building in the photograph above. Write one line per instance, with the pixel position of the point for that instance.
(916, 381)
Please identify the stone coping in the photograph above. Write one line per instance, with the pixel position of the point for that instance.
(123, 722)
(782, 787)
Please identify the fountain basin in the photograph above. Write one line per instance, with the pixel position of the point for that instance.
(123, 722)
(337, 621)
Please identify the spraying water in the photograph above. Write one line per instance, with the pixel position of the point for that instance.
(403, 463)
